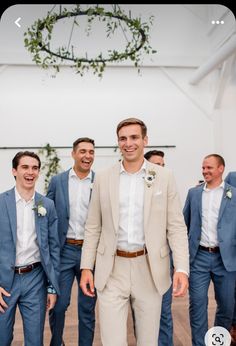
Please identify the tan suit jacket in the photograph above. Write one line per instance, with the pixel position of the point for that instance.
(163, 225)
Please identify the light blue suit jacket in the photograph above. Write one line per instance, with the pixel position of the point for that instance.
(47, 238)
(226, 226)
(58, 191)
(231, 179)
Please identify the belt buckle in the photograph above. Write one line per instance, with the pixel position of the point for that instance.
(19, 270)
(211, 249)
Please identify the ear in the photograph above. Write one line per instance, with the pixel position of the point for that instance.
(222, 168)
(145, 140)
(14, 172)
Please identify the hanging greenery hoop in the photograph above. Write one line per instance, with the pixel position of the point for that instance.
(38, 38)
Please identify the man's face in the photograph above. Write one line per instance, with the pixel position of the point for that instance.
(83, 156)
(211, 170)
(131, 143)
(26, 173)
(158, 160)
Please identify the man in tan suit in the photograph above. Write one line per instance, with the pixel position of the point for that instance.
(134, 213)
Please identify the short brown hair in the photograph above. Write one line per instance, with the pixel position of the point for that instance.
(132, 121)
(83, 139)
(20, 154)
(154, 153)
(218, 157)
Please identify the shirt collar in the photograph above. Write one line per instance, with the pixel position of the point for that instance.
(18, 196)
(73, 174)
(142, 169)
(221, 186)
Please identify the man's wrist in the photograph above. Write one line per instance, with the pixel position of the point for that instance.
(182, 271)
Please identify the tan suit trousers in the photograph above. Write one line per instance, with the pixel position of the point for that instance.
(129, 282)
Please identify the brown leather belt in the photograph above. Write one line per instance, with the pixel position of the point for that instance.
(215, 249)
(74, 241)
(27, 269)
(127, 254)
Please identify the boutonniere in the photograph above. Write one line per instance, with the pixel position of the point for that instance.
(40, 209)
(150, 177)
(228, 193)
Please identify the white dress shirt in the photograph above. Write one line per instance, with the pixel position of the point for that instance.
(211, 200)
(27, 249)
(131, 206)
(79, 196)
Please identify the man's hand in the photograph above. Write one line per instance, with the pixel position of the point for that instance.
(86, 282)
(3, 305)
(51, 301)
(180, 284)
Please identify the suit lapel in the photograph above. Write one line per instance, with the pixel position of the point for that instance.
(148, 191)
(11, 209)
(37, 198)
(65, 184)
(223, 202)
(199, 200)
(114, 184)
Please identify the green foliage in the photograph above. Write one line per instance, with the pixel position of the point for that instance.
(38, 36)
(50, 163)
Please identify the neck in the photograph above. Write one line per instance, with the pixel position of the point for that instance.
(80, 174)
(214, 184)
(25, 194)
(133, 167)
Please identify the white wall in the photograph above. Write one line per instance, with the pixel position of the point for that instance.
(36, 108)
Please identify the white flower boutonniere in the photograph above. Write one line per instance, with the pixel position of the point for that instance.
(228, 193)
(150, 177)
(40, 209)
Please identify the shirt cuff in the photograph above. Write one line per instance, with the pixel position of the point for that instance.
(51, 290)
(182, 271)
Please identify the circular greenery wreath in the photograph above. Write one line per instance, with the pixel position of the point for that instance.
(39, 46)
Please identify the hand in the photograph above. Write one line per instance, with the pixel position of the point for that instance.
(3, 305)
(51, 301)
(86, 283)
(180, 284)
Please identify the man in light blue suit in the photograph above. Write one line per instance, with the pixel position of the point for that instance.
(29, 253)
(231, 179)
(71, 192)
(210, 217)
(165, 337)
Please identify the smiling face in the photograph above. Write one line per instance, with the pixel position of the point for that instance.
(26, 173)
(212, 171)
(131, 143)
(83, 156)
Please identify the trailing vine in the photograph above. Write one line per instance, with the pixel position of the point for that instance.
(39, 36)
(50, 163)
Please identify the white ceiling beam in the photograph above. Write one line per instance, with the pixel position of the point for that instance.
(215, 60)
(224, 77)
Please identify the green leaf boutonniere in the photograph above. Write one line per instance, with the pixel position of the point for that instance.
(40, 209)
(228, 193)
(149, 178)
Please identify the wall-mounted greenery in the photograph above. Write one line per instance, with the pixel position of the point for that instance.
(50, 163)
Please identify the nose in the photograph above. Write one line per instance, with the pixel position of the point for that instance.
(88, 155)
(128, 142)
